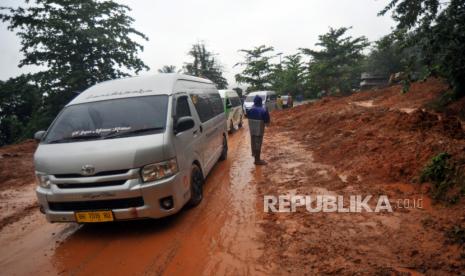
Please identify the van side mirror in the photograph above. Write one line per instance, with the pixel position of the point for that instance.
(183, 124)
(39, 135)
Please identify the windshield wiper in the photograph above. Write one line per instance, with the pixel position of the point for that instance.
(130, 132)
(72, 138)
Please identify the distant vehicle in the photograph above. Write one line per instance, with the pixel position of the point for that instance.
(233, 109)
(268, 97)
(131, 148)
(287, 100)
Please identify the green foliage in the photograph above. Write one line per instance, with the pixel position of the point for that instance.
(258, 70)
(386, 57)
(338, 65)
(20, 100)
(444, 175)
(205, 65)
(289, 77)
(168, 69)
(437, 169)
(78, 43)
(437, 29)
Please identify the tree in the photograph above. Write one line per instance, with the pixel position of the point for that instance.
(438, 29)
(19, 101)
(257, 72)
(288, 77)
(205, 65)
(386, 57)
(337, 66)
(168, 69)
(78, 42)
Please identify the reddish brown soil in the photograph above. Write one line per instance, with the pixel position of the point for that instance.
(17, 179)
(371, 143)
(375, 143)
(381, 141)
(16, 166)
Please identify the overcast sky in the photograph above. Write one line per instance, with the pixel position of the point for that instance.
(227, 26)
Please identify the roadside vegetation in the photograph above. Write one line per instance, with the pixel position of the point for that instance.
(446, 177)
(77, 44)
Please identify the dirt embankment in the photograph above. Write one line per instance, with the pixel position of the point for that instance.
(381, 134)
(371, 143)
(17, 181)
(16, 164)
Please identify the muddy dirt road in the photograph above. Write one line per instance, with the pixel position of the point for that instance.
(220, 236)
(366, 144)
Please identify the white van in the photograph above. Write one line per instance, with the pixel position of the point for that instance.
(268, 97)
(233, 108)
(130, 148)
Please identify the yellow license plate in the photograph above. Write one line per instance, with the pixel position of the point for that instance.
(94, 216)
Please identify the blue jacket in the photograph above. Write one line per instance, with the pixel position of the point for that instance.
(258, 112)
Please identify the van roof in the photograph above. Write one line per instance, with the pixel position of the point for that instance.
(260, 93)
(159, 84)
(223, 92)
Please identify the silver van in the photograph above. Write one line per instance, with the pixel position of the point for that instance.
(131, 148)
(233, 109)
(268, 97)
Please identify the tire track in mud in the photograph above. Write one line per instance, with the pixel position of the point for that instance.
(217, 237)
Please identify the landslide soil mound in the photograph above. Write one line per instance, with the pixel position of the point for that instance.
(378, 134)
(16, 165)
(371, 143)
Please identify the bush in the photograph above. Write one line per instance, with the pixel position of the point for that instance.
(444, 175)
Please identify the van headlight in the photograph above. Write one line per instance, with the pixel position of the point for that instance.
(157, 171)
(43, 180)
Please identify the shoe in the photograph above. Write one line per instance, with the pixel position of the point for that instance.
(260, 163)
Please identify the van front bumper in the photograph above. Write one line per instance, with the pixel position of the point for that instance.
(58, 204)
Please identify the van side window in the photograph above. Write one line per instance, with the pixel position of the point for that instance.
(235, 101)
(216, 103)
(202, 105)
(229, 102)
(182, 107)
(273, 97)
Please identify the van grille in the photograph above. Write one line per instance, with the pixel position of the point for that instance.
(91, 185)
(97, 204)
(75, 175)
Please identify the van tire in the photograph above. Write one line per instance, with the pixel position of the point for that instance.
(224, 152)
(197, 182)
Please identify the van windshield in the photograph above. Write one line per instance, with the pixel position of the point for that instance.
(109, 119)
(251, 97)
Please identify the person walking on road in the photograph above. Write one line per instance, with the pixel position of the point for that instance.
(258, 117)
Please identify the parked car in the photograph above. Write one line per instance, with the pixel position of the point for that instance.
(232, 108)
(287, 100)
(130, 148)
(268, 97)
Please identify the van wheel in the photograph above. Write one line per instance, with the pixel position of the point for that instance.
(224, 153)
(196, 186)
